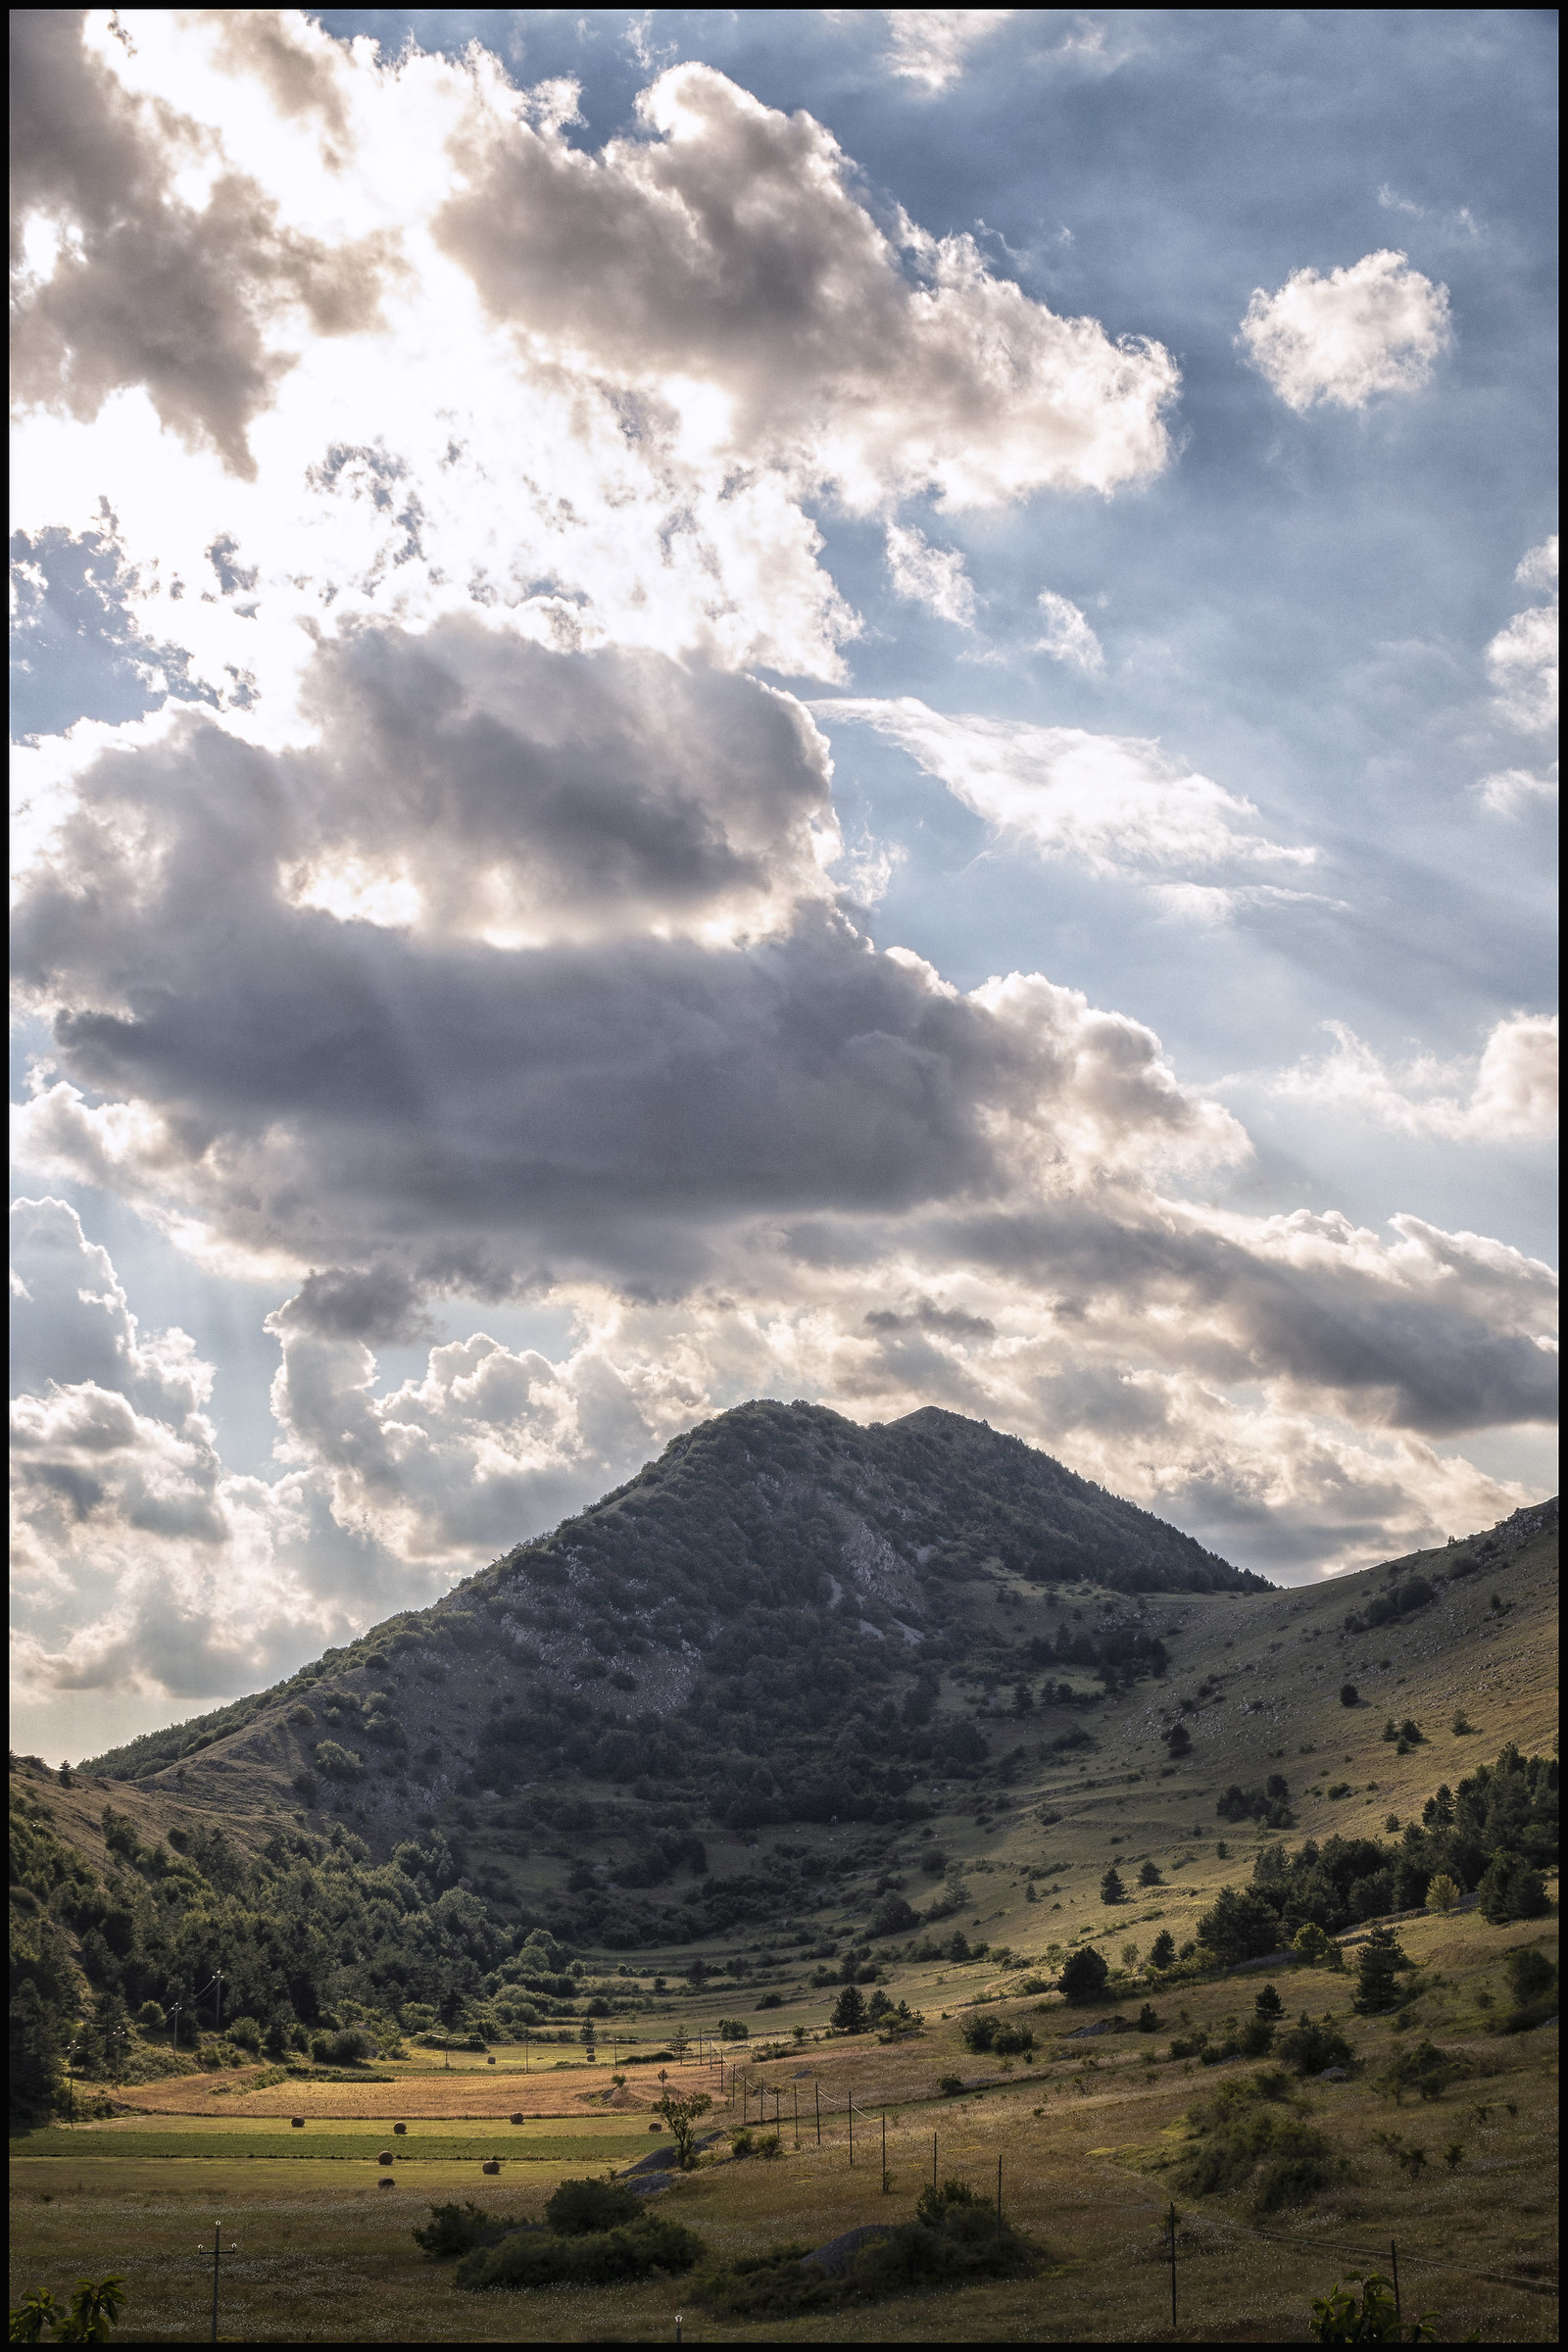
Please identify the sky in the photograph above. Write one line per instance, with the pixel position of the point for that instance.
(838, 704)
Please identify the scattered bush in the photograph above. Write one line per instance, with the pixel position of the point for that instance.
(580, 2206)
(1308, 2047)
(1007, 2036)
(1252, 2136)
(455, 2229)
(1425, 2069)
(598, 2258)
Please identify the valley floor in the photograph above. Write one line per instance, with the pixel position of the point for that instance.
(1088, 2137)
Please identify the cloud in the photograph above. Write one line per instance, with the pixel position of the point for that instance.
(1068, 636)
(1509, 790)
(1375, 327)
(1521, 660)
(1114, 803)
(929, 575)
(931, 45)
(145, 287)
(725, 248)
(1509, 1093)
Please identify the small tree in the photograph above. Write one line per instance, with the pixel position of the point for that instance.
(1350, 1697)
(1084, 1976)
(1442, 1894)
(849, 2011)
(1310, 1944)
(1530, 1972)
(1149, 1875)
(1268, 2003)
(682, 2119)
(1162, 1951)
(1111, 1889)
(94, 2309)
(1178, 1742)
(1377, 1973)
(1337, 2319)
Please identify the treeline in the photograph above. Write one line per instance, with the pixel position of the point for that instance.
(1494, 1835)
(295, 1934)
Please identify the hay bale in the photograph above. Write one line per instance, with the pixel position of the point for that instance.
(296, 2123)
(519, 2119)
(491, 2167)
(400, 2129)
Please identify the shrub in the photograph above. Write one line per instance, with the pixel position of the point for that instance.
(150, 2017)
(1308, 2047)
(580, 2206)
(246, 2032)
(1426, 2069)
(1530, 1972)
(1336, 2318)
(338, 1763)
(1007, 2037)
(950, 2086)
(598, 2258)
(1162, 1951)
(455, 2229)
(893, 1916)
(1147, 2021)
(1310, 1944)
(1349, 1695)
(772, 2285)
(1149, 1875)
(350, 2045)
(1250, 2135)
(1442, 1894)
(1084, 1976)
(733, 2028)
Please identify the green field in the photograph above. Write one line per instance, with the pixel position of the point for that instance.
(328, 2143)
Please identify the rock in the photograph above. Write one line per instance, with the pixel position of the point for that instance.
(1101, 2024)
(1335, 2074)
(835, 2257)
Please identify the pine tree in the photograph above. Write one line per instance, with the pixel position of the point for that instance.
(1268, 2003)
(849, 2011)
(1162, 1951)
(1111, 1889)
(37, 2087)
(1377, 1973)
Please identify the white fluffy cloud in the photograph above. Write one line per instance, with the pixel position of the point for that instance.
(929, 575)
(1521, 660)
(1376, 326)
(1068, 636)
(1114, 803)
(1509, 1092)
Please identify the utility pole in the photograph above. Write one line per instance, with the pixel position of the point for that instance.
(933, 2159)
(218, 2248)
(884, 2151)
(797, 2090)
(1394, 2257)
(817, 2088)
(999, 2196)
(175, 2016)
(1173, 2266)
(851, 2131)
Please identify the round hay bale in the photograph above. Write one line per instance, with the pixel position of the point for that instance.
(519, 2119)
(296, 2123)
(400, 2129)
(491, 2167)
(655, 2127)
(489, 2062)
(386, 2184)
(385, 2156)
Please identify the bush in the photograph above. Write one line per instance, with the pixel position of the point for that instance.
(1442, 1893)
(1308, 2047)
(1338, 2319)
(455, 2229)
(950, 2086)
(1084, 1976)
(1349, 1695)
(772, 2285)
(1426, 2069)
(1250, 2135)
(1530, 1972)
(350, 2045)
(150, 2017)
(1007, 2037)
(580, 2206)
(598, 2258)
(246, 2032)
